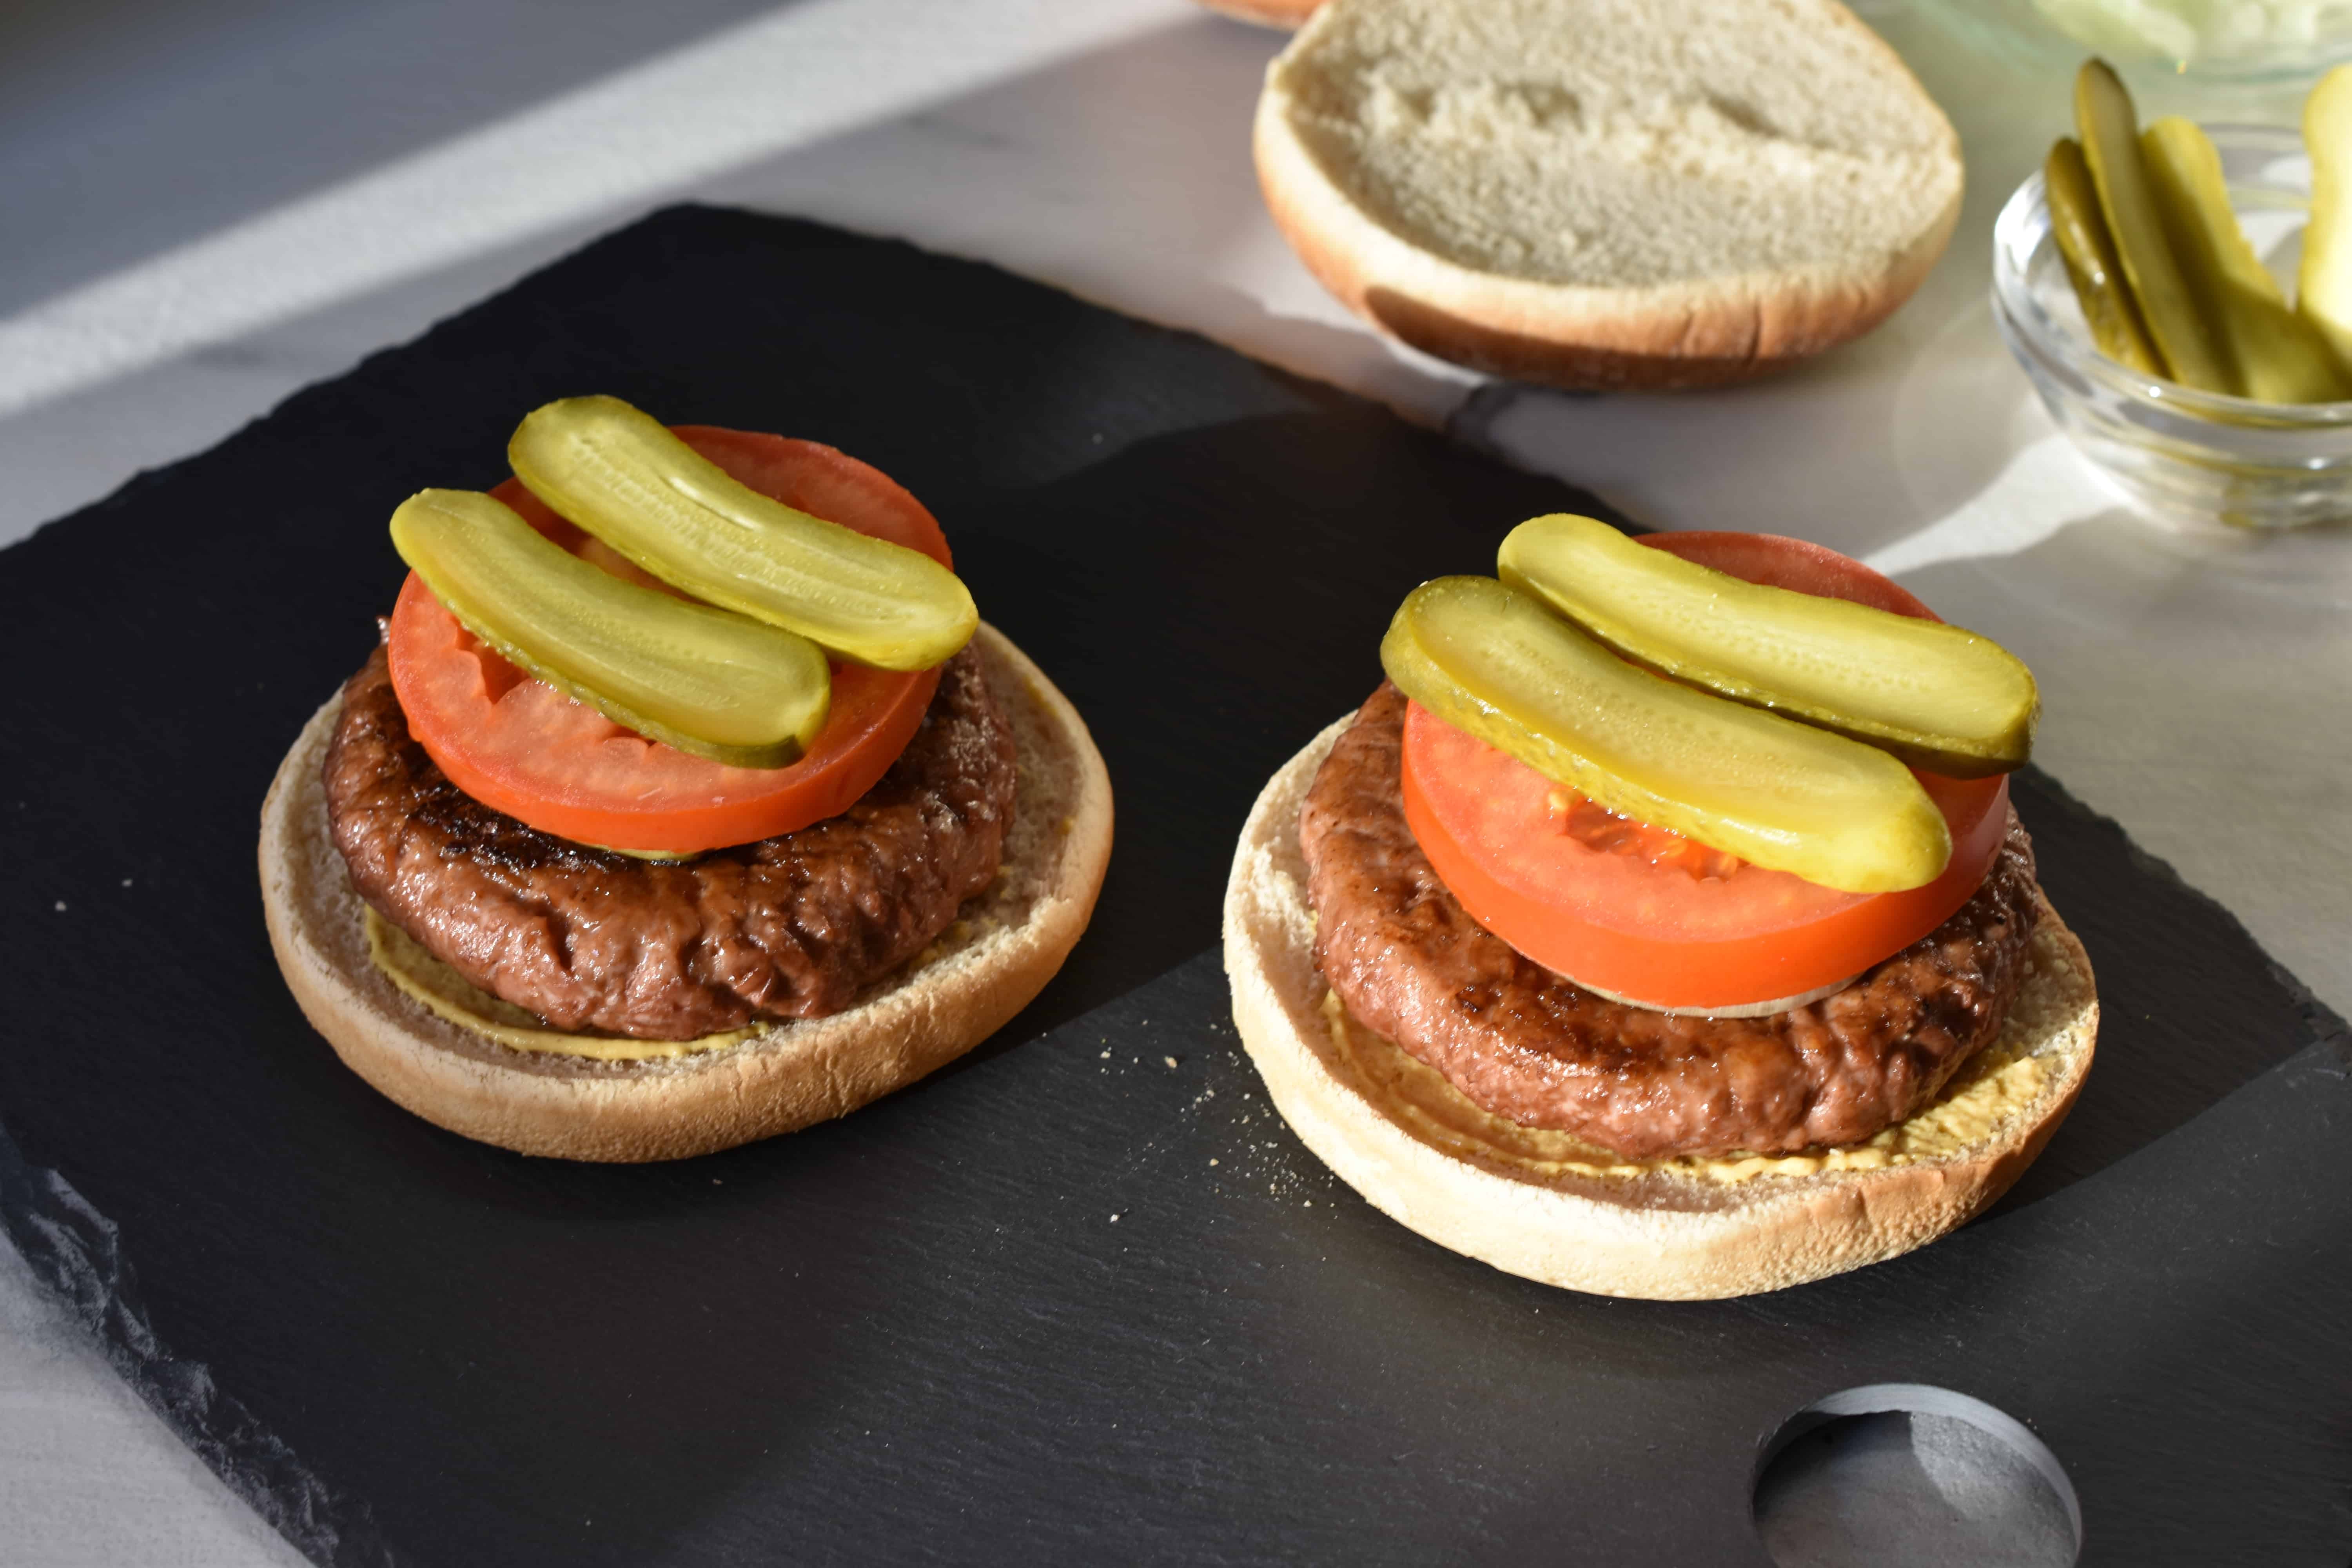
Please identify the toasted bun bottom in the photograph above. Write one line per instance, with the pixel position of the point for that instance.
(1005, 945)
(1660, 1234)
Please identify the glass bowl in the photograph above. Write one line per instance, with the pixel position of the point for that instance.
(2248, 43)
(2184, 454)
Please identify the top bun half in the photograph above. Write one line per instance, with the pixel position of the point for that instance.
(1637, 194)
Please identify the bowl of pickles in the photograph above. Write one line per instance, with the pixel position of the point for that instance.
(2180, 296)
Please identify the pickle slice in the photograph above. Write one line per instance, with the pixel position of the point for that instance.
(2110, 126)
(2279, 357)
(704, 680)
(1938, 697)
(1490, 660)
(2089, 252)
(619, 474)
(2324, 285)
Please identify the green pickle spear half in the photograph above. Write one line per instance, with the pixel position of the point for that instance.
(622, 475)
(2089, 251)
(1938, 697)
(704, 680)
(2324, 286)
(2279, 357)
(2110, 126)
(1494, 662)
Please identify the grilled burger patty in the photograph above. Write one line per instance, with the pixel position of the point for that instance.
(790, 927)
(1528, 1045)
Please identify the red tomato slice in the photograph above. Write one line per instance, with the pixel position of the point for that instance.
(522, 747)
(1644, 914)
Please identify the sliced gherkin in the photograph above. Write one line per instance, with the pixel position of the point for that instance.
(2110, 126)
(1938, 697)
(2324, 285)
(704, 680)
(1494, 662)
(2280, 356)
(2089, 251)
(622, 475)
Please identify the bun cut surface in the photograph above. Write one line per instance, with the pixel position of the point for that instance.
(1544, 1206)
(1005, 942)
(1607, 194)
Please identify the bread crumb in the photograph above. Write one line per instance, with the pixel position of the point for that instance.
(1169, 1060)
(1114, 1219)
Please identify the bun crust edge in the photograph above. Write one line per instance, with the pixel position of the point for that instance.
(1287, 15)
(951, 998)
(1598, 1235)
(1685, 334)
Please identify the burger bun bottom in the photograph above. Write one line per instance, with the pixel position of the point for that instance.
(1004, 946)
(1661, 1237)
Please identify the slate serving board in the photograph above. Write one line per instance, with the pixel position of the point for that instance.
(1080, 1298)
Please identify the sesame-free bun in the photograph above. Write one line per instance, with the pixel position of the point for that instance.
(1607, 193)
(1006, 944)
(1283, 13)
(1646, 1231)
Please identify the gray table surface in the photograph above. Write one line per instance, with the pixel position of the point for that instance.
(212, 202)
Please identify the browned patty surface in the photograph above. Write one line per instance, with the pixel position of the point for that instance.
(1525, 1044)
(789, 926)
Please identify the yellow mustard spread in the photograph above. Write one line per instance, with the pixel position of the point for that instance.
(450, 996)
(1998, 1082)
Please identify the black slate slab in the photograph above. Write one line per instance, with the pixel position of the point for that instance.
(920, 1334)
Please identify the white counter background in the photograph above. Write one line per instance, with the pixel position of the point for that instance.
(207, 206)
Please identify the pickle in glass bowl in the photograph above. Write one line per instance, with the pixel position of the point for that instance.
(2096, 271)
(2178, 320)
(2278, 355)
